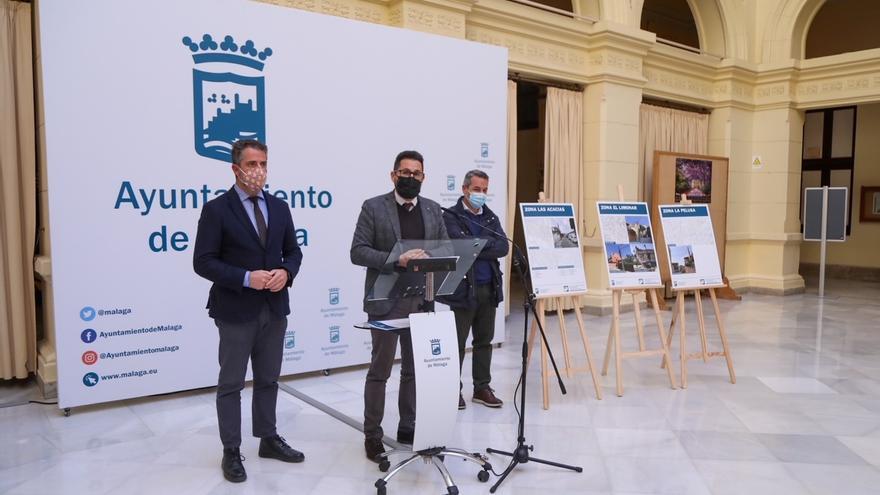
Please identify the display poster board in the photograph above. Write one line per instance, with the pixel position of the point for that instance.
(553, 244)
(703, 179)
(836, 216)
(334, 100)
(690, 246)
(630, 254)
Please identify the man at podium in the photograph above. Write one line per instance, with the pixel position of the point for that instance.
(384, 220)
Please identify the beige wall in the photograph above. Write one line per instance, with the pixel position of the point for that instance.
(862, 247)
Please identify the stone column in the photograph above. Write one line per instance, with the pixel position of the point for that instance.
(611, 140)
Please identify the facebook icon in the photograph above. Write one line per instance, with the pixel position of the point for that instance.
(88, 335)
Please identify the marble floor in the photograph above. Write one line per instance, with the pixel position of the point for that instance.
(803, 417)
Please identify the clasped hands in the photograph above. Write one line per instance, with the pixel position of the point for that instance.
(272, 280)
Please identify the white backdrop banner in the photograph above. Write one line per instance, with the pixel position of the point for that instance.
(142, 101)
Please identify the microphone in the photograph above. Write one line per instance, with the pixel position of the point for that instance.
(474, 222)
(519, 259)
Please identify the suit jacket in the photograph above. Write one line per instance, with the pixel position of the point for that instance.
(377, 230)
(227, 245)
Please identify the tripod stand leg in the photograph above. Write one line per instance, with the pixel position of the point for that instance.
(608, 349)
(545, 373)
(664, 344)
(533, 330)
(587, 350)
(704, 343)
(557, 464)
(723, 336)
(615, 321)
(640, 330)
(513, 464)
(564, 334)
(669, 335)
(681, 338)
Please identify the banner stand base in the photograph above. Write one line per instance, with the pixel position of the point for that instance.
(435, 455)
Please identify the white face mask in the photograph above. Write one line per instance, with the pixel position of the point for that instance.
(253, 179)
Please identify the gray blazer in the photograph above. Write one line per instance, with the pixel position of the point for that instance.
(377, 230)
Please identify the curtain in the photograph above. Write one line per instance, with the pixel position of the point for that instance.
(17, 192)
(563, 153)
(665, 129)
(511, 184)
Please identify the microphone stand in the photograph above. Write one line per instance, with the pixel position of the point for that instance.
(520, 454)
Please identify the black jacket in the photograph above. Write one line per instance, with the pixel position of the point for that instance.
(227, 245)
(459, 227)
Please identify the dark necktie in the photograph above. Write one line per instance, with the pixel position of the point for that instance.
(261, 222)
(408, 206)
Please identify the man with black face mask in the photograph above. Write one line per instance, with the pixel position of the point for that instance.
(385, 219)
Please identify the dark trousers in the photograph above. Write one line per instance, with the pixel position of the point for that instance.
(381, 362)
(482, 320)
(262, 341)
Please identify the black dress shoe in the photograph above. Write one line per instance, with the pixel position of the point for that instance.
(276, 448)
(405, 436)
(374, 449)
(233, 469)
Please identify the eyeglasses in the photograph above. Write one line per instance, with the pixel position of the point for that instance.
(415, 174)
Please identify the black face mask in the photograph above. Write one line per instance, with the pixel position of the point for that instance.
(407, 187)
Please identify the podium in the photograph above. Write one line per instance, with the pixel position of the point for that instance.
(439, 271)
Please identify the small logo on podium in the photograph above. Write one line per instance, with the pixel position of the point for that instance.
(334, 296)
(435, 347)
(289, 340)
(334, 334)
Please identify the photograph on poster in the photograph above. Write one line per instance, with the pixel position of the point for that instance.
(694, 178)
(638, 228)
(564, 233)
(617, 254)
(682, 259)
(645, 257)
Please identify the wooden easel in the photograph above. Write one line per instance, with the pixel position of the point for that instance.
(678, 314)
(540, 308)
(614, 331)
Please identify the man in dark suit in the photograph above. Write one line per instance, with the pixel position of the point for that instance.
(476, 298)
(246, 246)
(385, 219)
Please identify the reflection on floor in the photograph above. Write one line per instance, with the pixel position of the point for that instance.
(804, 417)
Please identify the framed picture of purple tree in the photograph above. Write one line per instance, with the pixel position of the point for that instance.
(694, 178)
(704, 179)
